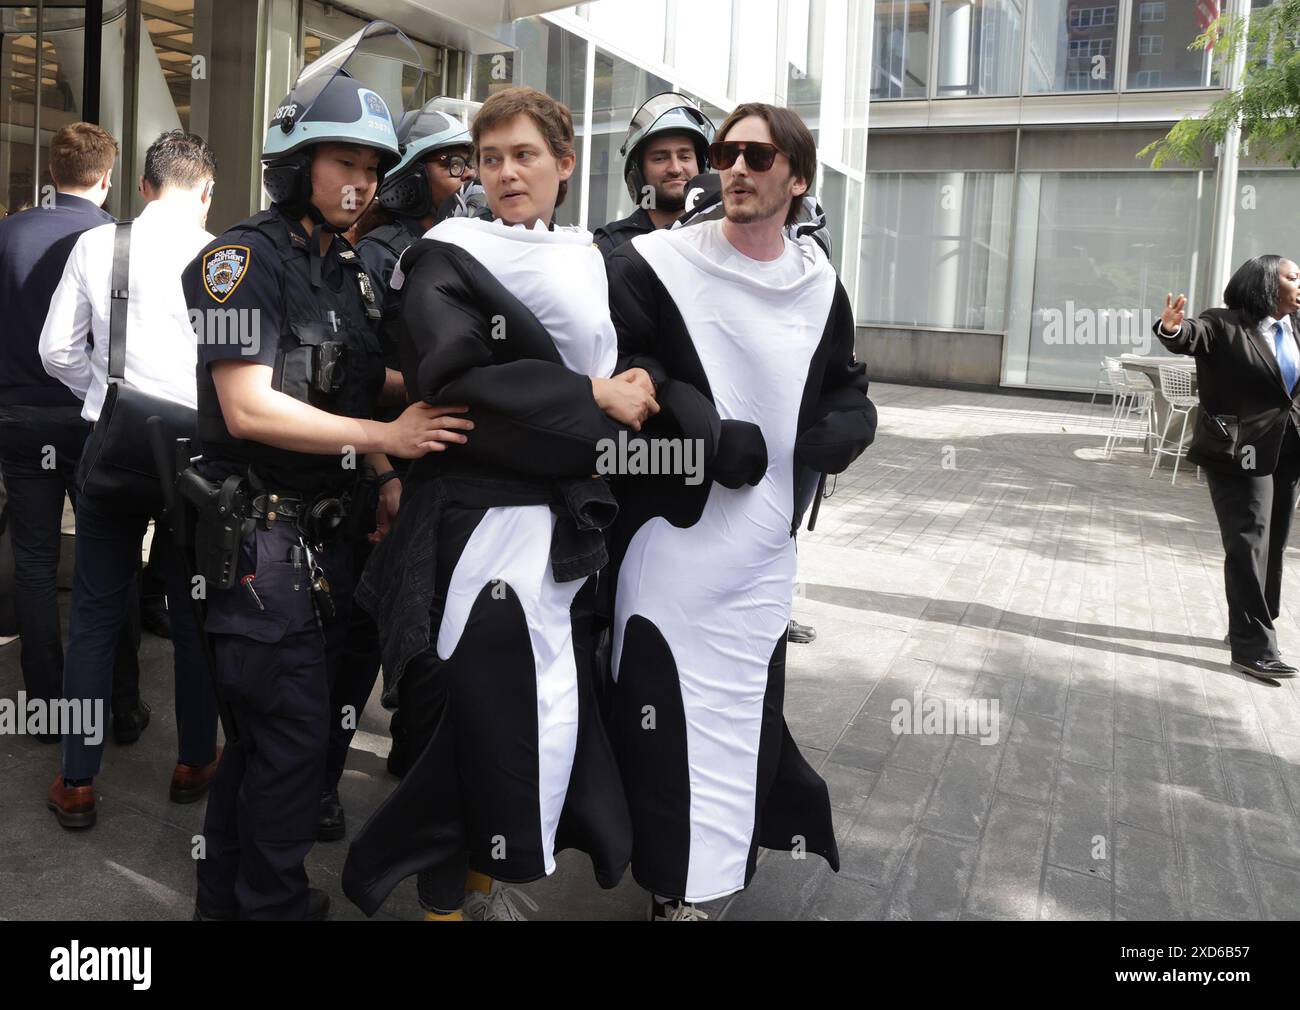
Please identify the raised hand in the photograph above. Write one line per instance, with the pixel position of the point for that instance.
(1172, 317)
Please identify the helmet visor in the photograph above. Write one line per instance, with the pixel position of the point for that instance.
(658, 106)
(436, 116)
(378, 57)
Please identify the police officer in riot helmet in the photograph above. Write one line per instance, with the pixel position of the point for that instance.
(289, 371)
(666, 146)
(434, 179)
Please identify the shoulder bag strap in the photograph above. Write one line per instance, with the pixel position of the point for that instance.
(117, 304)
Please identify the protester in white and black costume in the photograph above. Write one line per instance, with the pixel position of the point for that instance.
(753, 348)
(483, 589)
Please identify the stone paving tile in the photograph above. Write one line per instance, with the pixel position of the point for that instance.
(1074, 896)
(1147, 875)
(1213, 856)
(1009, 867)
(1083, 597)
(1029, 767)
(964, 789)
(932, 883)
(879, 838)
(1142, 795)
(1081, 838)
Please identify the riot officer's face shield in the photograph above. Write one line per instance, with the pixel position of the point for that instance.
(379, 68)
(438, 115)
(378, 57)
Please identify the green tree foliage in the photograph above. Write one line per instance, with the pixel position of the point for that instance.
(1266, 105)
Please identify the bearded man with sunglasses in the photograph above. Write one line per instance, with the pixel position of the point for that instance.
(747, 335)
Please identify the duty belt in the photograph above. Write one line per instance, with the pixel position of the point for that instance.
(273, 507)
(319, 518)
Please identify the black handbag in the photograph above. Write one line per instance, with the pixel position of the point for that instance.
(117, 466)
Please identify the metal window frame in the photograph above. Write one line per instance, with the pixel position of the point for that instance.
(91, 60)
(932, 77)
(1125, 11)
(868, 9)
(36, 104)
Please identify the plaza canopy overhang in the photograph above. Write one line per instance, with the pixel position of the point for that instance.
(475, 26)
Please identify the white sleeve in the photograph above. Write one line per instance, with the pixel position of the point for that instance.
(65, 351)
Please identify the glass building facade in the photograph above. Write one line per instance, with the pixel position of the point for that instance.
(139, 67)
(999, 210)
(1005, 203)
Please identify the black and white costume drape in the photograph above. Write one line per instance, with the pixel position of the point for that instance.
(706, 573)
(483, 589)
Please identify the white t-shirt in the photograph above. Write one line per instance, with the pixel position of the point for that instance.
(780, 272)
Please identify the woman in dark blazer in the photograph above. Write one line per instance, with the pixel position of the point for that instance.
(1247, 439)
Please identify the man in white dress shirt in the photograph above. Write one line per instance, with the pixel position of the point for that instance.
(160, 359)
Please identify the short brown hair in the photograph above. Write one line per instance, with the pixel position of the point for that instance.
(80, 154)
(789, 134)
(553, 119)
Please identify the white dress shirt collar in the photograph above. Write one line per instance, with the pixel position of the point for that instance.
(1268, 322)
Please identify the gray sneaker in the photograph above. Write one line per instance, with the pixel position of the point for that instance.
(675, 911)
(801, 634)
(497, 906)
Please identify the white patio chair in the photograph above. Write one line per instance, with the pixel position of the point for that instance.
(1176, 388)
(1132, 403)
(1103, 385)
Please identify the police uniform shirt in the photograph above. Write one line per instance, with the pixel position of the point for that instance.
(614, 234)
(245, 270)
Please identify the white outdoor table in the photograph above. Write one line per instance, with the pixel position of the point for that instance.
(1149, 365)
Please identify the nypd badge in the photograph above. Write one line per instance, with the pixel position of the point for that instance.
(367, 291)
(224, 268)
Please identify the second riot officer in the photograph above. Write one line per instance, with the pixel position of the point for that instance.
(289, 370)
(435, 178)
(436, 167)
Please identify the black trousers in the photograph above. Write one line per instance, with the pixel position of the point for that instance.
(353, 670)
(39, 451)
(422, 698)
(264, 805)
(108, 565)
(1254, 516)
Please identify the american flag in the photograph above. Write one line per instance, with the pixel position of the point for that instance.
(1206, 12)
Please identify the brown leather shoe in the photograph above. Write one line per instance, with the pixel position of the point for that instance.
(190, 783)
(73, 806)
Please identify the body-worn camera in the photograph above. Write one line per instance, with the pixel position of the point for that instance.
(329, 367)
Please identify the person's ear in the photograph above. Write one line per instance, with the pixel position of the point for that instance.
(567, 164)
(205, 196)
(800, 186)
(107, 181)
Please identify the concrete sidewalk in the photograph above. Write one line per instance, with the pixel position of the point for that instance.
(982, 550)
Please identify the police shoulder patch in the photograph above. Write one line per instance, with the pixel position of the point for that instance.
(223, 269)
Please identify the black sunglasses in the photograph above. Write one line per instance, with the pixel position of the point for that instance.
(758, 157)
